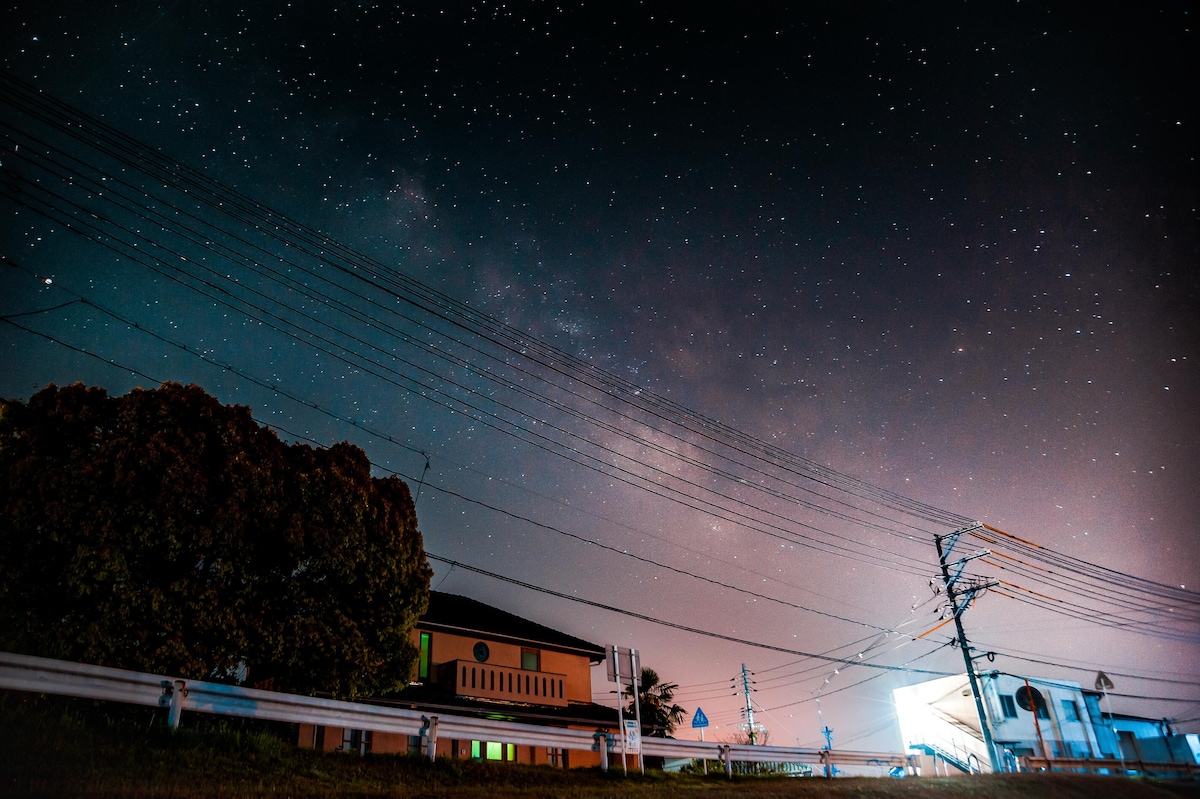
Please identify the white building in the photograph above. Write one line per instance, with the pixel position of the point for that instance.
(1034, 717)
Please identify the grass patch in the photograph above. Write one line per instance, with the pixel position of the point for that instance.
(61, 747)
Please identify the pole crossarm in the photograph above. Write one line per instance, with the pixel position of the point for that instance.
(953, 538)
(961, 563)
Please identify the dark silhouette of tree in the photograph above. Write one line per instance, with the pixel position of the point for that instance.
(163, 531)
(660, 714)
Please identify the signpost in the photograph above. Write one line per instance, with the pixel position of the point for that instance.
(699, 722)
(618, 657)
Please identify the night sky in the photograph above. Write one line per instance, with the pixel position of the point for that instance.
(713, 315)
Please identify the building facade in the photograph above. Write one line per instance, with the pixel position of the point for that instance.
(479, 660)
(1026, 717)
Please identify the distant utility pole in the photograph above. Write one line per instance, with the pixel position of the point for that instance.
(749, 705)
(828, 733)
(960, 593)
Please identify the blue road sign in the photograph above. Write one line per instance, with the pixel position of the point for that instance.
(699, 720)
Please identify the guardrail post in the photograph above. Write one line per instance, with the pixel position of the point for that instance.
(601, 739)
(178, 692)
(727, 760)
(429, 736)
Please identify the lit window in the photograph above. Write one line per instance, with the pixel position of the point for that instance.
(426, 647)
(531, 660)
(492, 750)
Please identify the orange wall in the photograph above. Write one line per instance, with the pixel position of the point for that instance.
(394, 743)
(577, 669)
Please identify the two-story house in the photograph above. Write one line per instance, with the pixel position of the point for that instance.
(477, 659)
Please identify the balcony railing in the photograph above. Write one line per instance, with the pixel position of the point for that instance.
(485, 681)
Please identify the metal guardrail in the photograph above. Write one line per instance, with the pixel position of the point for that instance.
(43, 675)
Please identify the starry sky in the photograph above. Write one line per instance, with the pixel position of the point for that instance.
(713, 316)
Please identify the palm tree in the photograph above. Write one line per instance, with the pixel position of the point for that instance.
(656, 698)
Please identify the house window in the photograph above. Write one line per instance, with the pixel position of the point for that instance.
(531, 660)
(1009, 706)
(1042, 711)
(1070, 710)
(426, 648)
(356, 741)
(492, 750)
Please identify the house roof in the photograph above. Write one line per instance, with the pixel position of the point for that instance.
(460, 614)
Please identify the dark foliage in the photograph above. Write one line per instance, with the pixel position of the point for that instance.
(163, 531)
(656, 701)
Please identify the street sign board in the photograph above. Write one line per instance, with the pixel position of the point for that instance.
(633, 738)
(1103, 683)
(699, 721)
(624, 664)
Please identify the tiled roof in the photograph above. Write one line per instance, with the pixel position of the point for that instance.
(460, 613)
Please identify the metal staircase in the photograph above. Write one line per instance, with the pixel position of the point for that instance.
(962, 759)
(953, 741)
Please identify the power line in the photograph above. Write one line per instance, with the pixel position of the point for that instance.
(665, 623)
(611, 394)
(477, 413)
(818, 656)
(194, 185)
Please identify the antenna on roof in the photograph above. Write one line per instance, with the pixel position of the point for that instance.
(421, 482)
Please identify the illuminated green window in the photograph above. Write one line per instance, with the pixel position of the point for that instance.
(423, 666)
(493, 750)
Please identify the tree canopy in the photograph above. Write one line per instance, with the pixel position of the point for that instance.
(660, 714)
(163, 531)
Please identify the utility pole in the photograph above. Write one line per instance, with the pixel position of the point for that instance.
(828, 733)
(749, 704)
(825, 729)
(960, 600)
